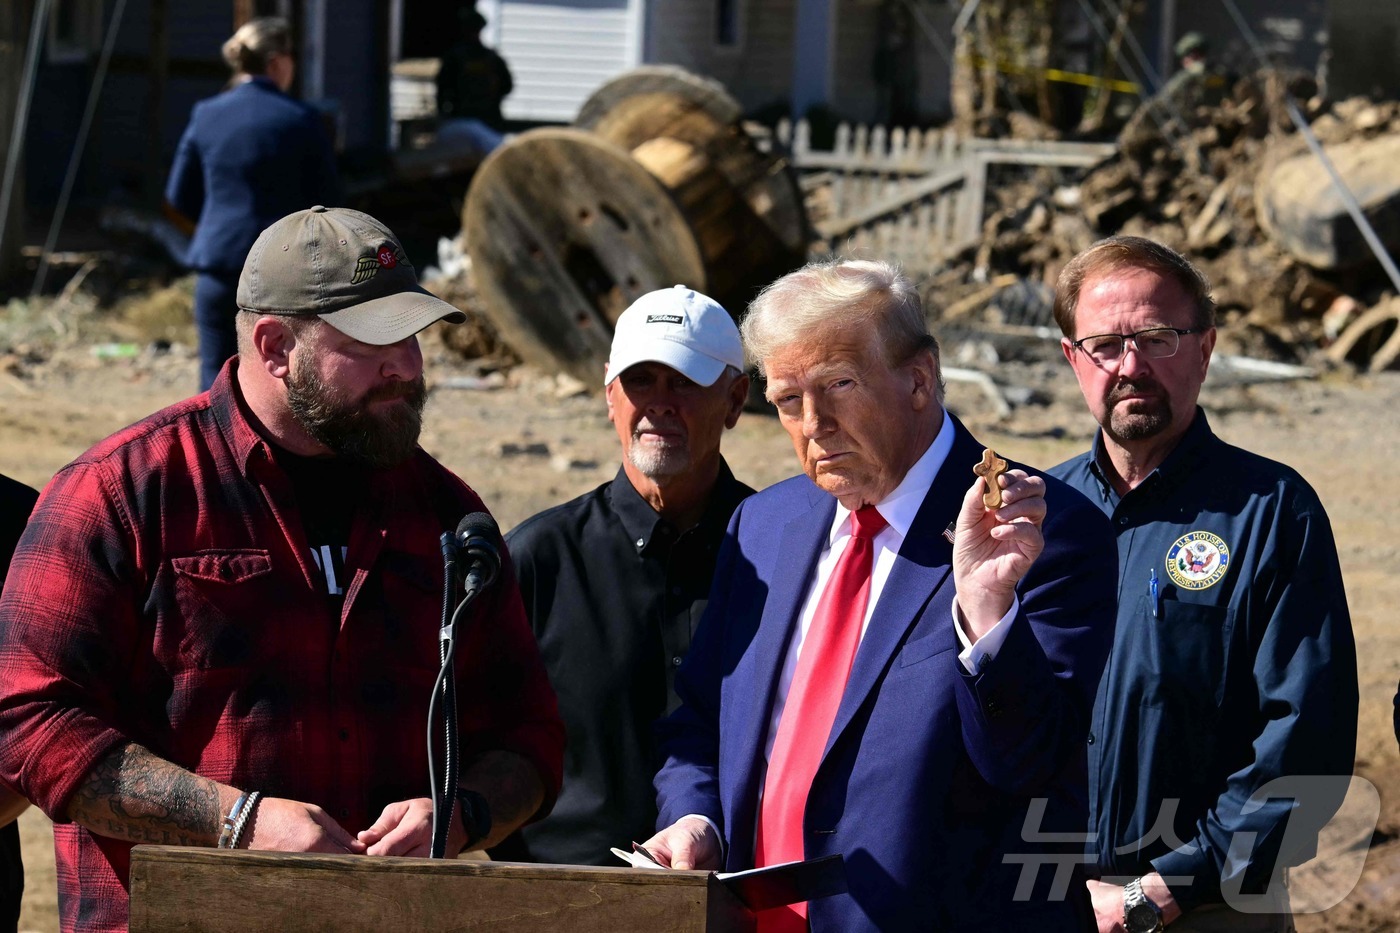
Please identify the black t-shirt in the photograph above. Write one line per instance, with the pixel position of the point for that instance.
(16, 502)
(326, 490)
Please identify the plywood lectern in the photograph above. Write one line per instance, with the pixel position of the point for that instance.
(174, 888)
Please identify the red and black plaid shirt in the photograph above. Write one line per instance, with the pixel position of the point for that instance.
(164, 593)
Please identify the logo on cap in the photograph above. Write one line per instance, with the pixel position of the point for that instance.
(387, 256)
(665, 319)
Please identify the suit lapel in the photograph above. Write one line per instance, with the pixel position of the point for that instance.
(798, 548)
(799, 545)
(924, 564)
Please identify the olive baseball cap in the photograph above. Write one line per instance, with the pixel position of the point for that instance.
(344, 267)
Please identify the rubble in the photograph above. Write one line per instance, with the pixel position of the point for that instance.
(1228, 183)
(1192, 180)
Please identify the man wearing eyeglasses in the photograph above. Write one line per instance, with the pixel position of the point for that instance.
(1233, 664)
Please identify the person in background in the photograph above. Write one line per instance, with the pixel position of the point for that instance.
(249, 156)
(16, 502)
(616, 581)
(472, 80)
(1234, 665)
(221, 624)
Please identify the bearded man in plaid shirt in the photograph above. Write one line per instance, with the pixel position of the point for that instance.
(241, 594)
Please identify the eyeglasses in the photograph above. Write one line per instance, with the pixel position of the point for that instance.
(1155, 343)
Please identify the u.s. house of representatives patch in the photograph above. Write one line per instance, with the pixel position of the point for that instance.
(1197, 560)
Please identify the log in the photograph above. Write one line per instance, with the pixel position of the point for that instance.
(1371, 341)
(1300, 209)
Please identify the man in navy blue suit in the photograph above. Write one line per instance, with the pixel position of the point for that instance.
(949, 766)
(250, 156)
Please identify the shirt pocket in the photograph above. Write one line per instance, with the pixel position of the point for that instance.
(1186, 653)
(224, 602)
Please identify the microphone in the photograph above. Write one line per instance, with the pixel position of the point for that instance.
(474, 544)
(476, 538)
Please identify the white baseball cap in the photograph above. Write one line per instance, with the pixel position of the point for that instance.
(680, 328)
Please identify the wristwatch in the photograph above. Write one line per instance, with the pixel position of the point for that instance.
(1140, 915)
(476, 816)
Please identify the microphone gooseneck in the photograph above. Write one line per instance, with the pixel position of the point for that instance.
(472, 556)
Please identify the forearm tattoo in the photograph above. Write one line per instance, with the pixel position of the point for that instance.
(135, 795)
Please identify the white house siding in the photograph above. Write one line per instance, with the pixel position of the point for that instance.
(560, 52)
(758, 71)
(853, 59)
(856, 39)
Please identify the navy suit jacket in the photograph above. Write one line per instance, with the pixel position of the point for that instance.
(250, 156)
(930, 774)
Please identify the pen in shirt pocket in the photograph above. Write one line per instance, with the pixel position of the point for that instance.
(1156, 595)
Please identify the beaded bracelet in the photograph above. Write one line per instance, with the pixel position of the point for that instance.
(226, 834)
(243, 818)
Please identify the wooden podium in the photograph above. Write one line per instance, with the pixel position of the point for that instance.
(177, 888)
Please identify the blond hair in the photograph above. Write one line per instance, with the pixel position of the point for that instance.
(256, 41)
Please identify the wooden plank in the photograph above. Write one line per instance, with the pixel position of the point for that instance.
(942, 210)
(1096, 150)
(974, 193)
(840, 226)
(174, 888)
(1066, 159)
(1019, 152)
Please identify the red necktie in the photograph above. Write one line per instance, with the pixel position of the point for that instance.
(823, 665)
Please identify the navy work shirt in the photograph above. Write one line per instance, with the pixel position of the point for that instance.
(1240, 670)
(613, 592)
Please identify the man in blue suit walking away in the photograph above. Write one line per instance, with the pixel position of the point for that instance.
(250, 156)
(888, 668)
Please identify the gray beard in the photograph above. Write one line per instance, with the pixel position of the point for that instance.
(662, 463)
(1140, 424)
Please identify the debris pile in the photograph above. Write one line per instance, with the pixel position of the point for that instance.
(1208, 178)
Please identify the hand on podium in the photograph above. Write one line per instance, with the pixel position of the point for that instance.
(406, 828)
(688, 843)
(281, 825)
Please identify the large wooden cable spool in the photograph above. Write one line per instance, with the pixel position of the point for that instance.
(658, 185)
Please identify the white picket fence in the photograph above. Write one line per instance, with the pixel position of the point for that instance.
(909, 196)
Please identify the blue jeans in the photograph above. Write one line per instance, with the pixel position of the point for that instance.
(215, 307)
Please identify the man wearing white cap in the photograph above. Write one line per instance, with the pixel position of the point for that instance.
(616, 580)
(221, 624)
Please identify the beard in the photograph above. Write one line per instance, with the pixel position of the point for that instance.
(1148, 417)
(349, 428)
(658, 461)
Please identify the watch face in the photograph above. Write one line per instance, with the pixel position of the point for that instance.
(1142, 918)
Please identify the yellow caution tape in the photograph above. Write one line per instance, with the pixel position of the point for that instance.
(1064, 77)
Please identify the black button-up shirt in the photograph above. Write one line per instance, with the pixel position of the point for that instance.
(614, 593)
(1233, 665)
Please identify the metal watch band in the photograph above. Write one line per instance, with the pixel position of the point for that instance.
(1140, 915)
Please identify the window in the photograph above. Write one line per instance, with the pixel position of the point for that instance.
(728, 15)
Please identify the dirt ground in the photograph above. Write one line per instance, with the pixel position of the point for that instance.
(532, 442)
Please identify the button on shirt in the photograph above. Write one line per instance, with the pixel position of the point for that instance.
(1239, 669)
(614, 593)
